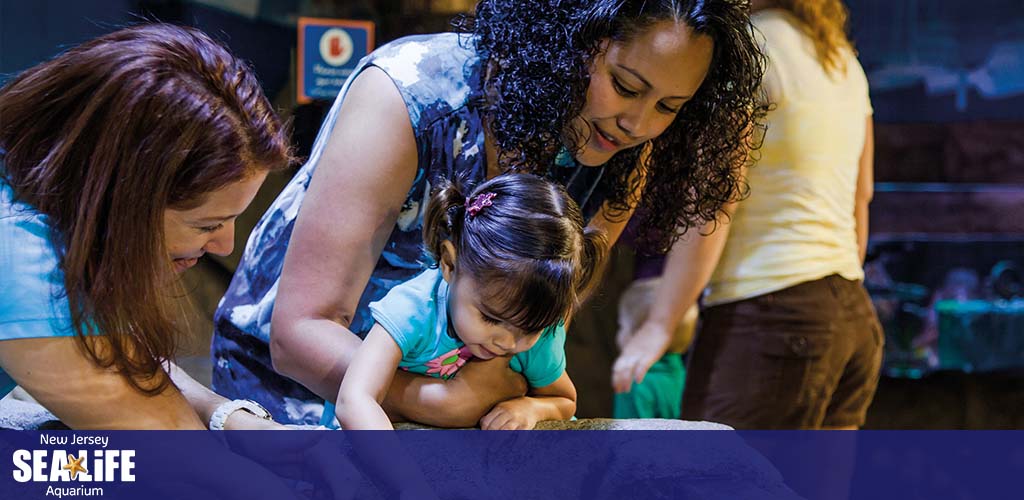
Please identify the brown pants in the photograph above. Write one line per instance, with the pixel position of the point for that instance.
(804, 357)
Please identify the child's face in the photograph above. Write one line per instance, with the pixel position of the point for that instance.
(486, 335)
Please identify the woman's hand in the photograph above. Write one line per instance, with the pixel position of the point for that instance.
(687, 271)
(517, 414)
(640, 351)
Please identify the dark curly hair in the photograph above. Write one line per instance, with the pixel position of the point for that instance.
(536, 59)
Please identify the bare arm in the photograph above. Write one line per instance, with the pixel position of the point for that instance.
(366, 382)
(204, 402)
(84, 396)
(556, 401)
(456, 402)
(352, 204)
(65, 380)
(865, 189)
(348, 213)
(688, 269)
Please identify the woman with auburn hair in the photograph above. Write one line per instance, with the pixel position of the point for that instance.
(615, 100)
(789, 337)
(122, 161)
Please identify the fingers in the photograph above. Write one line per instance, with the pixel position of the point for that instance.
(622, 373)
(501, 420)
(640, 369)
(485, 423)
(624, 369)
(639, 354)
(630, 367)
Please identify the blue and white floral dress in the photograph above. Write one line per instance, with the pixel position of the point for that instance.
(438, 77)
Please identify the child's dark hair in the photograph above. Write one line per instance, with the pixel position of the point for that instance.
(529, 247)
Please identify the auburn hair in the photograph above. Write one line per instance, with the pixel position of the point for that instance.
(105, 137)
(825, 21)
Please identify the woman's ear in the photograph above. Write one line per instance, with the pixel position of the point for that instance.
(447, 260)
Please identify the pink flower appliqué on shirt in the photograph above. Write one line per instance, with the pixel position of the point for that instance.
(448, 363)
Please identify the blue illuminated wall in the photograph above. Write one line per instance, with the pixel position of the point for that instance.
(942, 60)
(947, 86)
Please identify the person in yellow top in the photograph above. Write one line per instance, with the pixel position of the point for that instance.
(788, 335)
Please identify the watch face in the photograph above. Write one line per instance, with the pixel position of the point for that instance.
(256, 409)
(221, 414)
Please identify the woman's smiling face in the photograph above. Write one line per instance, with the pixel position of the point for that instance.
(638, 86)
(210, 227)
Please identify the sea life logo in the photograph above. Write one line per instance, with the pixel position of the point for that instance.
(73, 472)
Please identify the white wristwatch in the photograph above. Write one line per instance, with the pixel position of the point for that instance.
(221, 414)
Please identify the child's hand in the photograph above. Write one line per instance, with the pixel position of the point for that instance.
(513, 415)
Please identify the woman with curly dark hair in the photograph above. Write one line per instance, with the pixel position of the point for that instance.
(617, 100)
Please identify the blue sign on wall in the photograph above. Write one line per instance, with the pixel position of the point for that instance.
(328, 52)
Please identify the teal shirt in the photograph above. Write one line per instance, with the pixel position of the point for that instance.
(33, 301)
(414, 313)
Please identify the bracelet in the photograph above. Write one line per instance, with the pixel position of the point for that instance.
(225, 409)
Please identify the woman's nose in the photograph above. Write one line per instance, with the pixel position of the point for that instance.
(222, 241)
(635, 122)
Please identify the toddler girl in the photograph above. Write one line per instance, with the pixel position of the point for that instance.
(513, 260)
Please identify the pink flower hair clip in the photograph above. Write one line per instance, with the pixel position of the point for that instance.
(475, 205)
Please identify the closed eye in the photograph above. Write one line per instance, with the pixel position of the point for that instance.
(626, 92)
(668, 110)
(489, 320)
(622, 90)
(211, 229)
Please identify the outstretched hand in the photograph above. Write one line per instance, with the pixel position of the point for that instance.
(639, 352)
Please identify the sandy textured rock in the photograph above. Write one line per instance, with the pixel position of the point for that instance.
(16, 414)
(610, 424)
(24, 415)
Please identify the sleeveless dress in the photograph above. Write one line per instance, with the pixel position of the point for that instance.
(439, 79)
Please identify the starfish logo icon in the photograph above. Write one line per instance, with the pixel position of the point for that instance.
(75, 465)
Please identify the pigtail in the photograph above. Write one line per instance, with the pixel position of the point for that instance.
(592, 259)
(444, 217)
